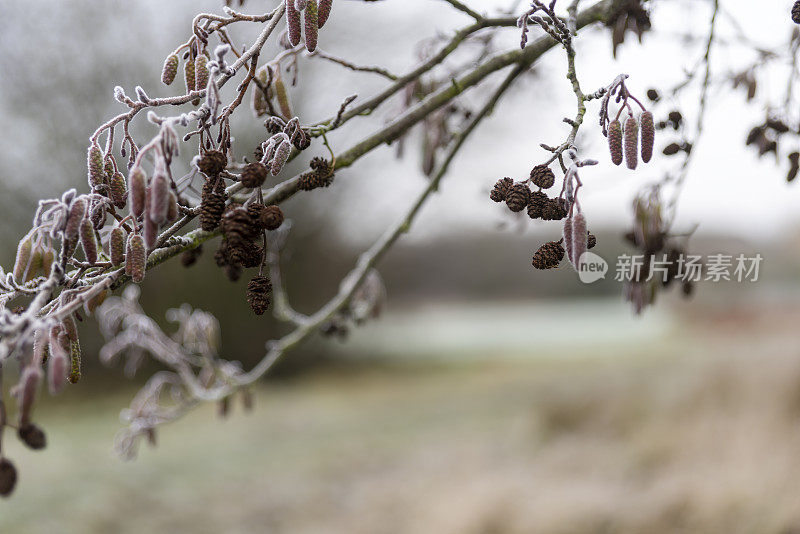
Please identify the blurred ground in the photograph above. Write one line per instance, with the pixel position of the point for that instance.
(700, 436)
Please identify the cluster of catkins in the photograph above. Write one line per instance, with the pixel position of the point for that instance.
(314, 14)
(195, 69)
(627, 138)
(519, 196)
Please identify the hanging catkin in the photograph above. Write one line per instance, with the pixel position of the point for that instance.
(648, 136)
(579, 239)
(631, 134)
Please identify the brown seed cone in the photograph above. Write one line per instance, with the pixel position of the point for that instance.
(116, 246)
(254, 175)
(648, 136)
(200, 72)
(136, 258)
(212, 163)
(293, 23)
(239, 224)
(500, 189)
(554, 209)
(518, 197)
(615, 142)
(324, 12)
(268, 217)
(212, 206)
(796, 12)
(548, 256)
(8, 477)
(170, 69)
(97, 173)
(591, 241)
(190, 257)
(32, 436)
(631, 135)
(536, 204)
(322, 176)
(88, 240)
(311, 19)
(542, 176)
(259, 294)
(119, 191)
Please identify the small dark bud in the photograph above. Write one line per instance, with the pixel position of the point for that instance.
(8, 477)
(32, 436)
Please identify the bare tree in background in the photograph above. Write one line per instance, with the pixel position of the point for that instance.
(136, 214)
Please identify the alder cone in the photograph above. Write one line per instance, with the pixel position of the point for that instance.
(268, 217)
(170, 69)
(548, 256)
(259, 294)
(591, 241)
(648, 136)
(554, 209)
(518, 197)
(615, 142)
(212, 206)
(796, 12)
(212, 163)
(631, 135)
(254, 175)
(500, 189)
(543, 176)
(536, 204)
(8, 477)
(321, 175)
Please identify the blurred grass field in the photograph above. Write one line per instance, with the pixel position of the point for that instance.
(705, 438)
